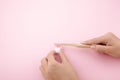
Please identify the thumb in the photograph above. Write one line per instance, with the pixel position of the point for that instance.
(101, 48)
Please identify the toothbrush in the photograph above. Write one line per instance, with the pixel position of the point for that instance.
(74, 45)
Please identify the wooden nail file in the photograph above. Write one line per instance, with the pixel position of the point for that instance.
(75, 45)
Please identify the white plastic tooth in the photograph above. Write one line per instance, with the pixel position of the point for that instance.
(57, 50)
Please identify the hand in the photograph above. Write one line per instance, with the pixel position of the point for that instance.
(56, 67)
(108, 44)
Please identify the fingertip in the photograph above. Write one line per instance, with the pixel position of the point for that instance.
(84, 42)
(50, 53)
(93, 46)
(88, 42)
(50, 56)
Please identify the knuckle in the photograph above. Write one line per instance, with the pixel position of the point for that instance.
(108, 50)
(109, 34)
(51, 68)
(53, 64)
(50, 54)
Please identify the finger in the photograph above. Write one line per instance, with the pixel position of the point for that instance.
(60, 56)
(43, 73)
(101, 39)
(44, 63)
(54, 57)
(50, 57)
(101, 48)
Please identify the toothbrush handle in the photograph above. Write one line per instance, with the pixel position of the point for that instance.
(75, 45)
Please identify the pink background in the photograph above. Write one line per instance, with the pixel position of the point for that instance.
(28, 29)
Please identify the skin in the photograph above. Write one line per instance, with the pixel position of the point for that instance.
(54, 69)
(108, 44)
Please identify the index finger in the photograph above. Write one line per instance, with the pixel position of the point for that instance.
(50, 56)
(101, 39)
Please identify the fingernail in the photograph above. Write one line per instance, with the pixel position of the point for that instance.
(93, 46)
